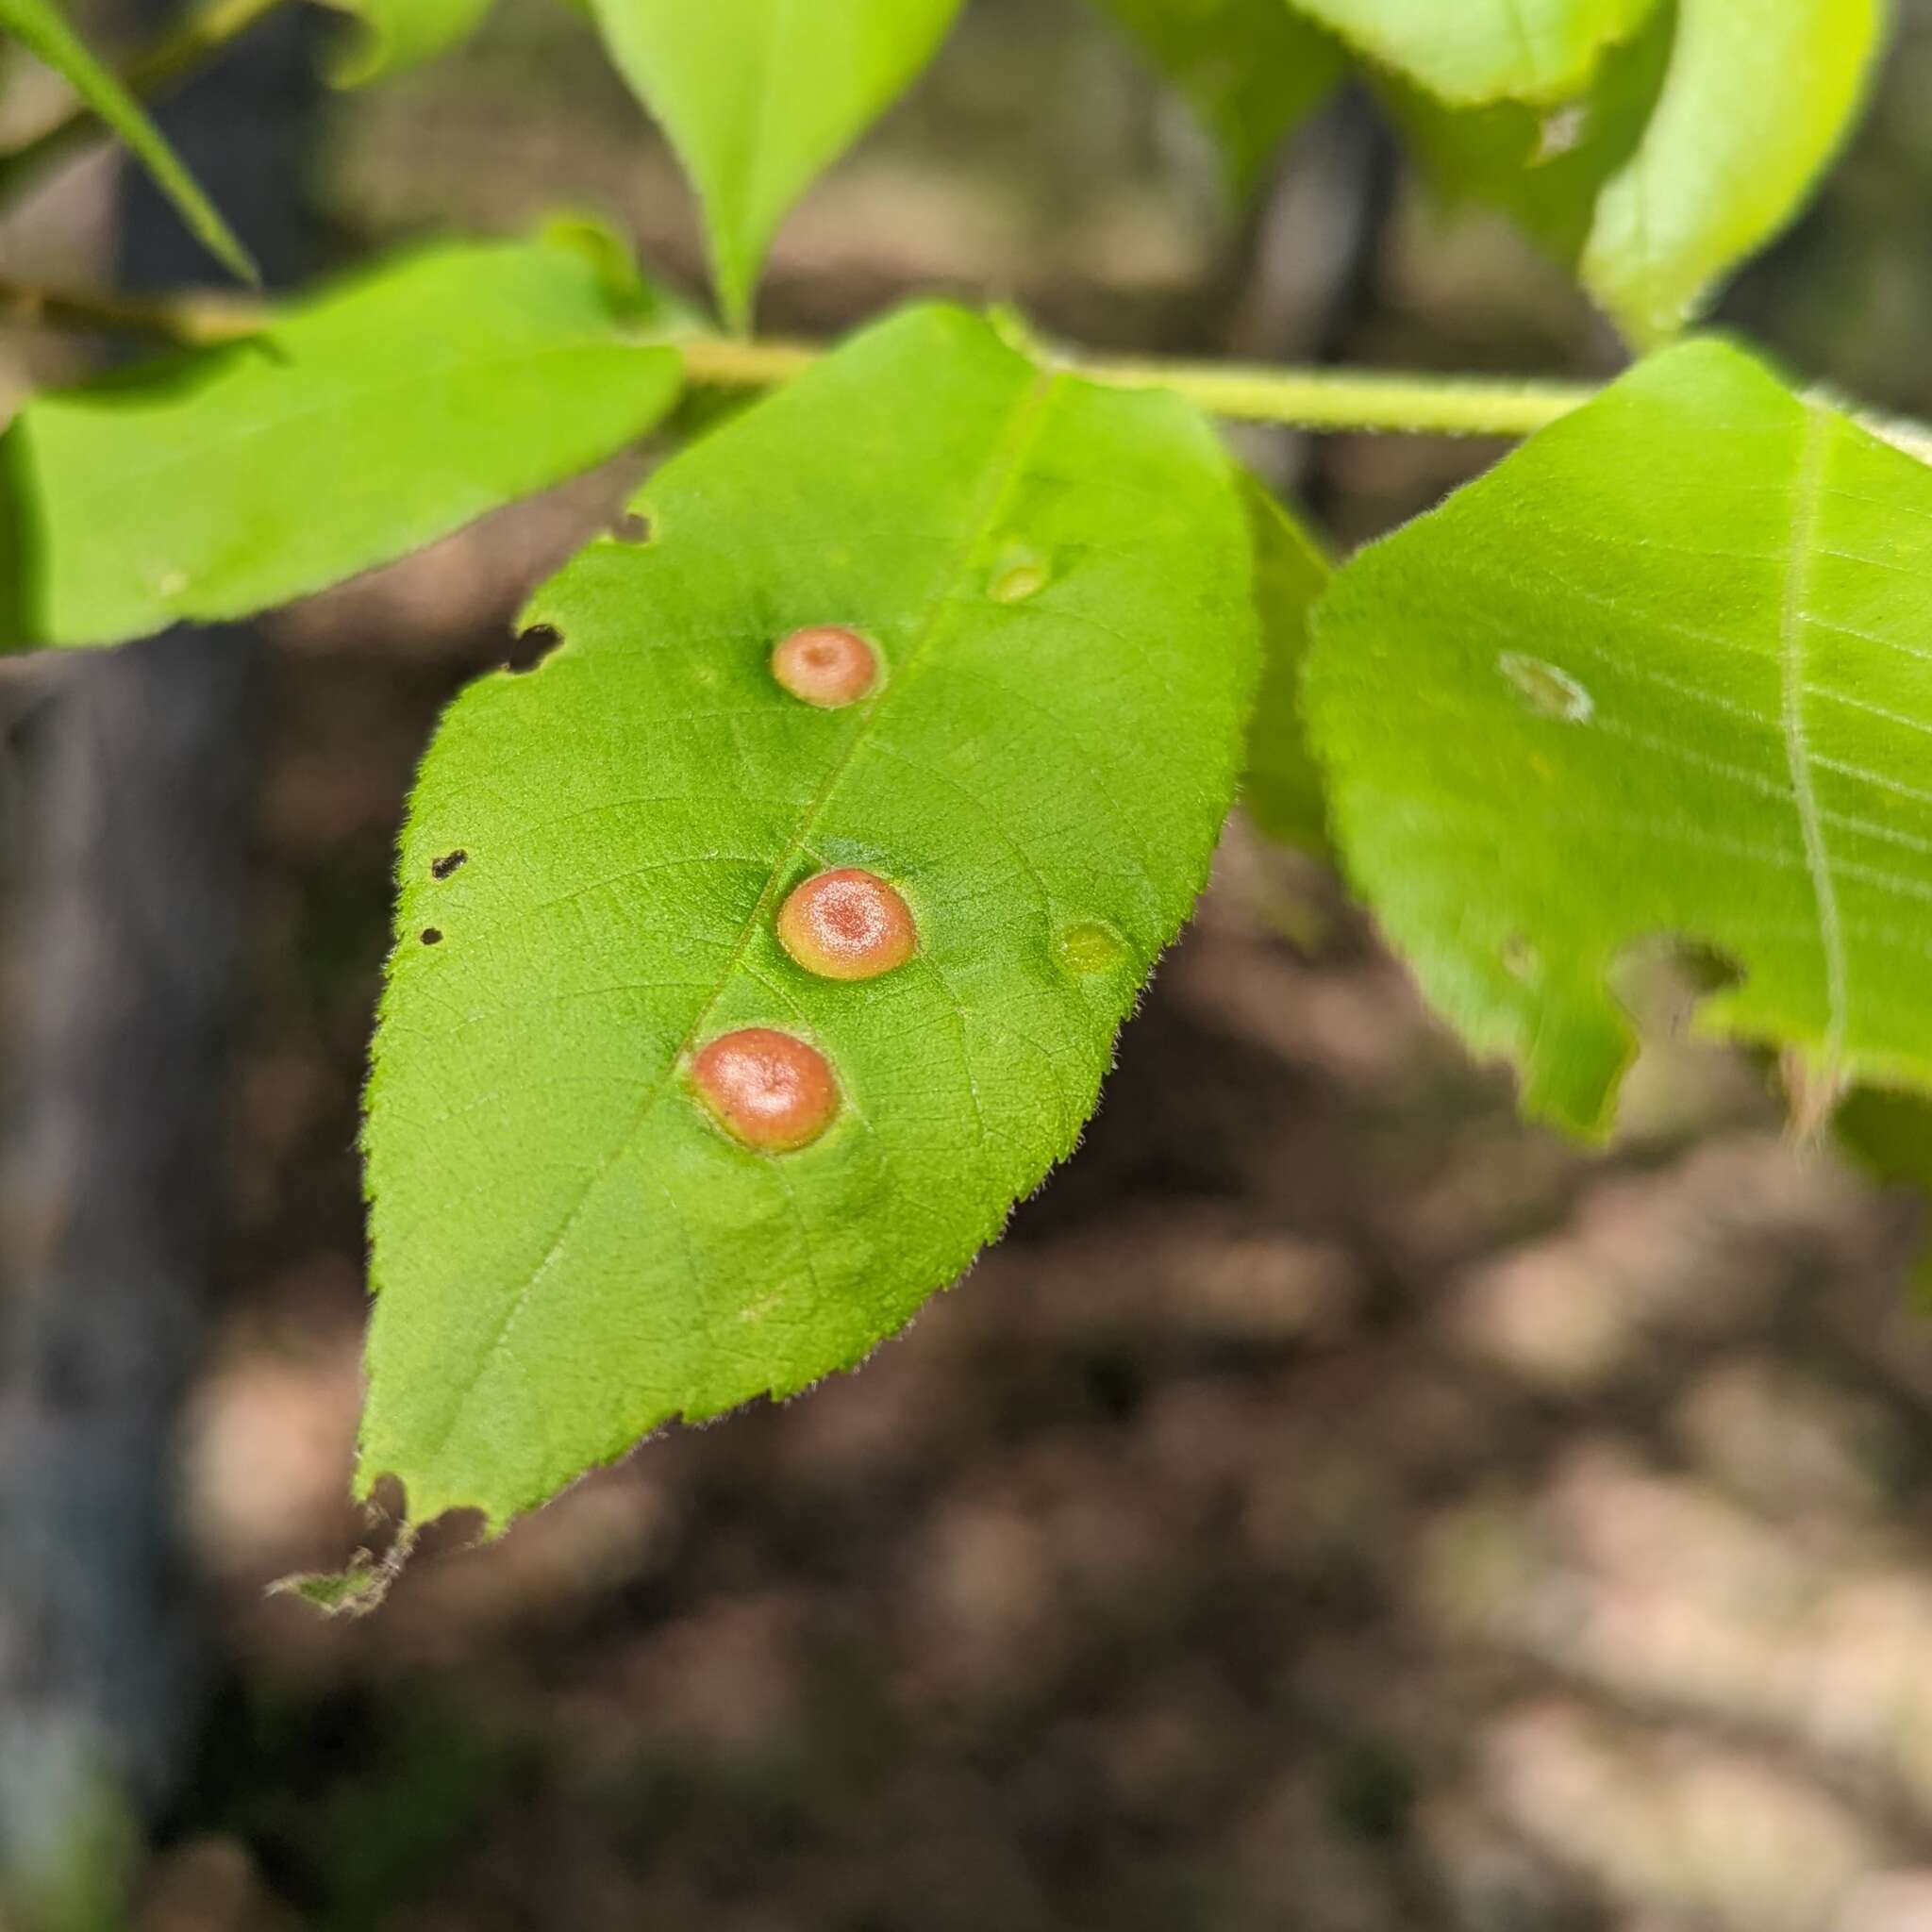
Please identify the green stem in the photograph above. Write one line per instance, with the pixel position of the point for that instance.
(1325, 401)
(1319, 399)
(1345, 399)
(171, 58)
(198, 321)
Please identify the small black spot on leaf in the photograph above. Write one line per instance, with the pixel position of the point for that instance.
(432, 935)
(442, 867)
(631, 527)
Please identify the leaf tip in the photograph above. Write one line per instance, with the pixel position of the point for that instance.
(359, 1587)
(1815, 1087)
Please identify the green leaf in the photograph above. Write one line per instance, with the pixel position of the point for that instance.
(759, 97)
(1544, 167)
(357, 428)
(395, 34)
(1663, 672)
(1250, 70)
(39, 26)
(568, 1252)
(1282, 791)
(1757, 97)
(1476, 50)
(1650, 183)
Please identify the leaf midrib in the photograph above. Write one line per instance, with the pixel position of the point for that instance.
(733, 248)
(1806, 494)
(1015, 445)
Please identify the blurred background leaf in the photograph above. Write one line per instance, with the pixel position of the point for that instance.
(356, 426)
(1282, 789)
(42, 29)
(759, 95)
(391, 35)
(1483, 50)
(1249, 69)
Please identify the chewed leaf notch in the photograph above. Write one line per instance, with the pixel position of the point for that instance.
(755, 1014)
(1666, 671)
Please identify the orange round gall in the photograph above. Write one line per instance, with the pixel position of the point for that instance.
(846, 924)
(826, 665)
(769, 1090)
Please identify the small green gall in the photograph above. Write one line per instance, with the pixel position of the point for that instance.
(1089, 945)
(827, 665)
(768, 1090)
(846, 924)
(1019, 572)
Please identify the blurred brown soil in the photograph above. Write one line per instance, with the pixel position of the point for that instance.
(1334, 1506)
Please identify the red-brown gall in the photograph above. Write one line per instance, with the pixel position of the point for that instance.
(846, 924)
(769, 1090)
(827, 665)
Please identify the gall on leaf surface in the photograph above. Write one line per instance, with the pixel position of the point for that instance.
(358, 425)
(1249, 69)
(761, 96)
(1281, 790)
(1469, 52)
(391, 34)
(41, 28)
(1665, 671)
(568, 1250)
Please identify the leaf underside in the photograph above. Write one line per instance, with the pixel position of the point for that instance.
(1476, 51)
(391, 35)
(568, 1251)
(1757, 99)
(1281, 790)
(357, 428)
(1652, 183)
(1667, 670)
(42, 29)
(758, 96)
